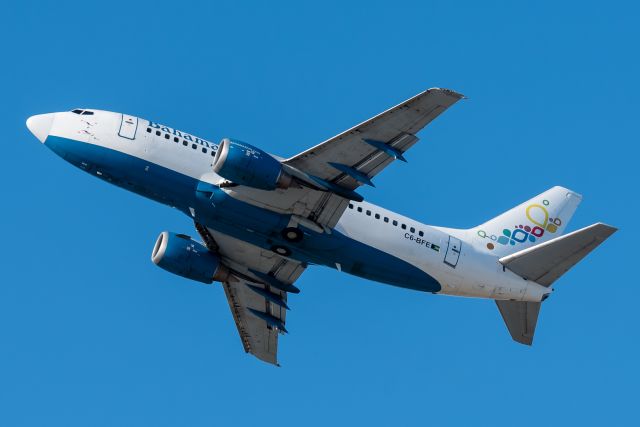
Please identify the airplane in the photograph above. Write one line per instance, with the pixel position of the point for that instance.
(263, 219)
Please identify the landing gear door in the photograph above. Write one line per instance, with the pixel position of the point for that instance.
(128, 127)
(453, 252)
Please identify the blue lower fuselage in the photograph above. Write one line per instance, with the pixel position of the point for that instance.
(214, 208)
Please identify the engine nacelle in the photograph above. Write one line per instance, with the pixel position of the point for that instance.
(244, 164)
(181, 255)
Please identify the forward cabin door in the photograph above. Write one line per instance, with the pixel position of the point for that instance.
(453, 252)
(128, 127)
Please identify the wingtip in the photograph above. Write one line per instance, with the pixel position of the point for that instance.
(449, 92)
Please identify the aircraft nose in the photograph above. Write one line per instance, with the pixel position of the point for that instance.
(40, 125)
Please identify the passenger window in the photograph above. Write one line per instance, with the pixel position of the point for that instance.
(157, 133)
(377, 216)
(148, 130)
(368, 213)
(204, 150)
(176, 139)
(166, 136)
(213, 153)
(194, 146)
(185, 143)
(350, 206)
(404, 226)
(395, 222)
(386, 219)
(413, 230)
(359, 209)
(420, 233)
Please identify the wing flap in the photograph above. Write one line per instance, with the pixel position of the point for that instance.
(546, 262)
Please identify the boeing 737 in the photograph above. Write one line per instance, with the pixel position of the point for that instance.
(263, 219)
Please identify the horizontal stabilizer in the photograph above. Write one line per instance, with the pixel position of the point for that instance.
(521, 318)
(546, 262)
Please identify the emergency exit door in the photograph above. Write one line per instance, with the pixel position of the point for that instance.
(453, 252)
(128, 126)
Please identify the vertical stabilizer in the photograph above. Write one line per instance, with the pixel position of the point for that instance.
(535, 221)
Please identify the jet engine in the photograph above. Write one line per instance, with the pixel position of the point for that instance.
(181, 255)
(244, 164)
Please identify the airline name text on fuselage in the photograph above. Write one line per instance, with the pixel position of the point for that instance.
(183, 135)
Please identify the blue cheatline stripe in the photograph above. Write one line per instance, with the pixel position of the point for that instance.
(219, 211)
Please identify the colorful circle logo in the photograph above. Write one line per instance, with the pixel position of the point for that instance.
(538, 216)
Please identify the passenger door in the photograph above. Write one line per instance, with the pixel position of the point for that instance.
(453, 252)
(128, 127)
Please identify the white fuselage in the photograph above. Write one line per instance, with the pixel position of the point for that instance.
(448, 255)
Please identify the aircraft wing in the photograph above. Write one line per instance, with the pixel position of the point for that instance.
(342, 163)
(356, 155)
(257, 305)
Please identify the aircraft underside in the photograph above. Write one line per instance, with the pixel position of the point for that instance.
(262, 220)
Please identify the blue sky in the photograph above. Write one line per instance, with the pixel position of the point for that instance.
(92, 333)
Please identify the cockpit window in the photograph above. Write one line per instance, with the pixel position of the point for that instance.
(82, 112)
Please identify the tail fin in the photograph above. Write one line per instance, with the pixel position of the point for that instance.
(530, 223)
